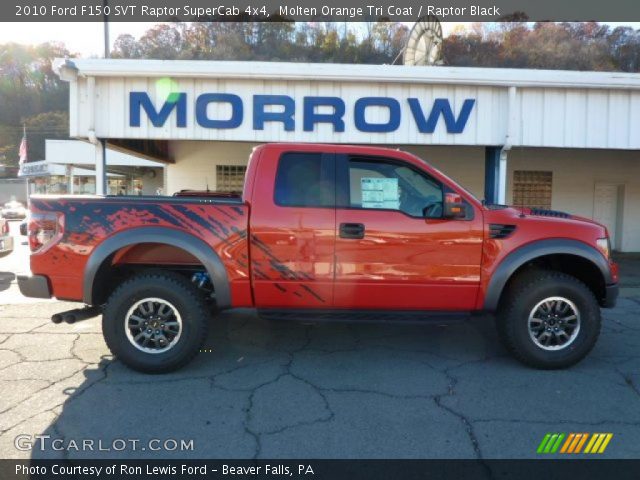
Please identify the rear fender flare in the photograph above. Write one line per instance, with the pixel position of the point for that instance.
(196, 247)
(534, 250)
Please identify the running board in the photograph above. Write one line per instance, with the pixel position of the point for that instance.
(364, 316)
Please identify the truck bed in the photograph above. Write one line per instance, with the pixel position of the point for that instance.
(87, 221)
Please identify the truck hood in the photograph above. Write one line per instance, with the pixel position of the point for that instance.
(540, 212)
(523, 214)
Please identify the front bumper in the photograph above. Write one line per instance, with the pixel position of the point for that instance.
(36, 286)
(6, 244)
(610, 295)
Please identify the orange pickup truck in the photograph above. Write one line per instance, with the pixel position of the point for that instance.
(321, 232)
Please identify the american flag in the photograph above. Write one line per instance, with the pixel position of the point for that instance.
(23, 148)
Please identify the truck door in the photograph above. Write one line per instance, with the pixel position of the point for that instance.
(292, 242)
(388, 255)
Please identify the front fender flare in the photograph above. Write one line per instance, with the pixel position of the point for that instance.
(533, 250)
(196, 247)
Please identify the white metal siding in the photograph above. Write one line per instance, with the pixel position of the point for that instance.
(578, 118)
(486, 124)
(546, 117)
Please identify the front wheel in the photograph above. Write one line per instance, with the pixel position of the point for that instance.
(549, 320)
(155, 322)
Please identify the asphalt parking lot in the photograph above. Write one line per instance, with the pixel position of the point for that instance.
(281, 390)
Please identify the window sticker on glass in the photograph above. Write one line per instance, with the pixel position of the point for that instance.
(380, 193)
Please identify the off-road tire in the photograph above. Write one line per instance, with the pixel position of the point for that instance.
(523, 295)
(170, 287)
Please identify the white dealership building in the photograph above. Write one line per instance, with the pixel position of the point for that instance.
(554, 139)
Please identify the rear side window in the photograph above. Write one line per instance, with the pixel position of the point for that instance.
(305, 180)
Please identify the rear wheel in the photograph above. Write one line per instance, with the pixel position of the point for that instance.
(155, 322)
(549, 320)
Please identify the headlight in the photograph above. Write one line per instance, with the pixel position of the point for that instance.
(604, 246)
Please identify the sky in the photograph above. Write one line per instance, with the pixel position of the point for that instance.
(87, 38)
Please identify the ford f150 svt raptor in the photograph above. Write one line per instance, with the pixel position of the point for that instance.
(321, 232)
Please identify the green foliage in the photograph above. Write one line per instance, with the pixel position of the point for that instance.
(48, 125)
(513, 44)
(39, 127)
(29, 87)
(546, 45)
(378, 42)
(31, 94)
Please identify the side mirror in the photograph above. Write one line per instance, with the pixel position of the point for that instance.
(454, 207)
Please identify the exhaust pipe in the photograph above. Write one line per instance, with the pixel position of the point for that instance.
(75, 315)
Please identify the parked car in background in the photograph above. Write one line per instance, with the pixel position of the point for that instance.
(14, 210)
(6, 240)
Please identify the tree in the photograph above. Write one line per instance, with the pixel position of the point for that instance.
(28, 88)
(275, 40)
(43, 126)
(126, 46)
(31, 92)
(548, 45)
(161, 41)
(624, 47)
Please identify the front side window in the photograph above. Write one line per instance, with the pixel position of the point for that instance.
(380, 184)
(305, 180)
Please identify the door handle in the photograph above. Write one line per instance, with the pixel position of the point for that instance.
(352, 230)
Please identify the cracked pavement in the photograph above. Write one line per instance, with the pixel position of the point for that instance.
(294, 390)
(290, 390)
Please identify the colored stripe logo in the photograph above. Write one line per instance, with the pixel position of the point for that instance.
(574, 443)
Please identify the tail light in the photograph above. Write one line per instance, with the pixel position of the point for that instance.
(5, 228)
(44, 229)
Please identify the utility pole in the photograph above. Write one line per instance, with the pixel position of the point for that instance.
(107, 52)
(105, 17)
(23, 160)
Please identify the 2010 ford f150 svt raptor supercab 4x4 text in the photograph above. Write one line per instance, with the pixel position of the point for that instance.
(321, 231)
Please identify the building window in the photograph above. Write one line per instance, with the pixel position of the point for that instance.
(230, 178)
(532, 188)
